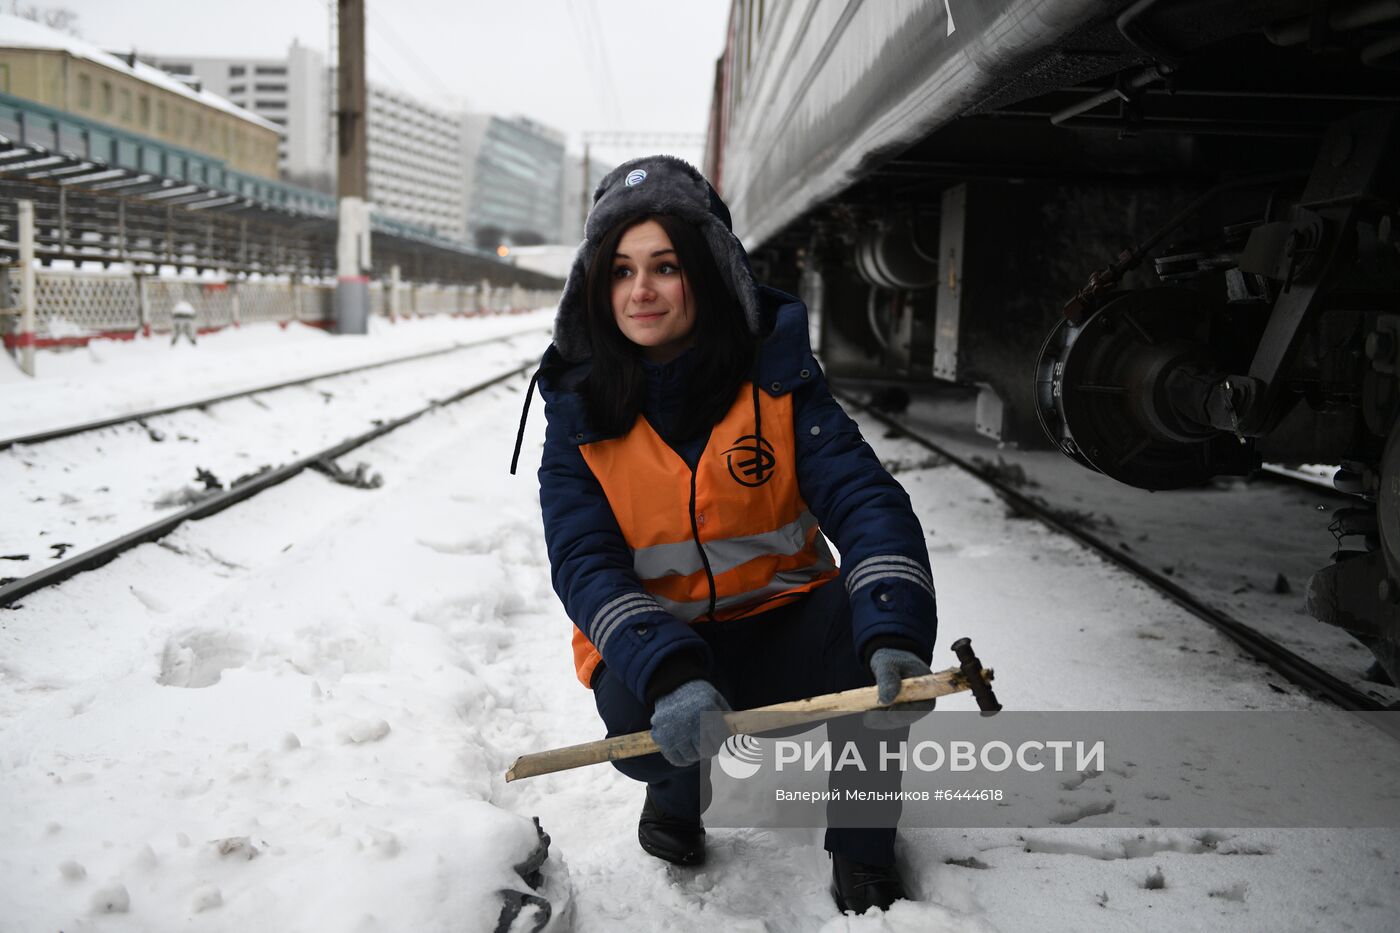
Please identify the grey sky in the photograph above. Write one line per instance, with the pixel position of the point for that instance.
(529, 57)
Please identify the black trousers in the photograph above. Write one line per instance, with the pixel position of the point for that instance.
(799, 650)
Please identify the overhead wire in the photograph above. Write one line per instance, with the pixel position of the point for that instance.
(594, 59)
(332, 61)
(379, 23)
(600, 44)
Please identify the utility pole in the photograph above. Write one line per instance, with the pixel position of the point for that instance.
(352, 248)
(25, 210)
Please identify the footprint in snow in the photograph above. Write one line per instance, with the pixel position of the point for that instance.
(198, 657)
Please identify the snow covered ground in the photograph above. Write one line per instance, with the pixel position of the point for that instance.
(119, 479)
(1247, 546)
(296, 714)
(108, 377)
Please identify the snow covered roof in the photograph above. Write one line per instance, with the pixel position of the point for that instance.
(17, 33)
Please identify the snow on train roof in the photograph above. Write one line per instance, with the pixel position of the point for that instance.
(18, 33)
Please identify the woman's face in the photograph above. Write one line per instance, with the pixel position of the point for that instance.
(650, 298)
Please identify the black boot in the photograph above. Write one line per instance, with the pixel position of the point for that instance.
(857, 886)
(672, 838)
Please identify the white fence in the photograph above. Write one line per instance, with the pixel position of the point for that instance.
(73, 307)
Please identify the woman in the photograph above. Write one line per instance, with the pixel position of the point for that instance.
(693, 458)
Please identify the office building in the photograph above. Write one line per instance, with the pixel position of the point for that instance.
(515, 181)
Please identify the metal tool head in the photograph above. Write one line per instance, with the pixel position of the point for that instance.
(971, 668)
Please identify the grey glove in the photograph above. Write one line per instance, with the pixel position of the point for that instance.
(890, 666)
(680, 728)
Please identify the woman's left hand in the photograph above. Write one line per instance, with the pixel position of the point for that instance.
(890, 666)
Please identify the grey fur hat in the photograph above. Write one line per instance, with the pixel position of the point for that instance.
(652, 185)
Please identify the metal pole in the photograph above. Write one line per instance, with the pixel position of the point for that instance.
(26, 287)
(63, 221)
(121, 228)
(143, 305)
(353, 244)
(394, 276)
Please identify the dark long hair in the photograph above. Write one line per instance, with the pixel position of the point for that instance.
(616, 385)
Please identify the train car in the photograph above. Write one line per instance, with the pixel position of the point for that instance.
(1161, 235)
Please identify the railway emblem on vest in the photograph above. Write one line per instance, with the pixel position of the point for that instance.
(751, 460)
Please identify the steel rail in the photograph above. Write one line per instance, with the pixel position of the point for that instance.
(1280, 472)
(103, 553)
(40, 437)
(1296, 669)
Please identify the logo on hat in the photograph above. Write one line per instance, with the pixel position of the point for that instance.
(636, 177)
(755, 460)
(740, 756)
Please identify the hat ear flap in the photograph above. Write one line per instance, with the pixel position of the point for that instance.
(733, 264)
(571, 322)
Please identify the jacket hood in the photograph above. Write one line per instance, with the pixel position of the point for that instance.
(653, 185)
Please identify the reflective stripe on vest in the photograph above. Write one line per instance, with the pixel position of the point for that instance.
(761, 544)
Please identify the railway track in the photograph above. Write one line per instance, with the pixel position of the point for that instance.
(239, 492)
(1316, 476)
(140, 417)
(79, 487)
(1287, 663)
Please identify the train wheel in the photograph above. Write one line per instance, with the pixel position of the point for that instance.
(1105, 391)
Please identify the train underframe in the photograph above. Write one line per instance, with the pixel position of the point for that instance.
(1163, 308)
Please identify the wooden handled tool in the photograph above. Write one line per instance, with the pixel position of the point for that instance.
(970, 676)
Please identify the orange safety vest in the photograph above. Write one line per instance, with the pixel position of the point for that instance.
(757, 536)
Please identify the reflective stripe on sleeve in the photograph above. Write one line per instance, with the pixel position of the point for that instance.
(888, 567)
(614, 613)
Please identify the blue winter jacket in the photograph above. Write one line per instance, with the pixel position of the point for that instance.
(860, 507)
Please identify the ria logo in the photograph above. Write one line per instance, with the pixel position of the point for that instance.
(636, 177)
(753, 457)
(740, 757)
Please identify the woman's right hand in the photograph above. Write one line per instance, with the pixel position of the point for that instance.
(680, 727)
